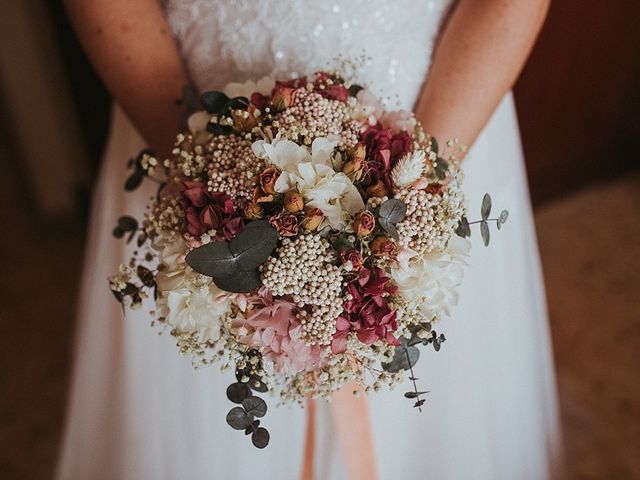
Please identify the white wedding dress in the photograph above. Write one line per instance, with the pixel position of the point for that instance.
(137, 410)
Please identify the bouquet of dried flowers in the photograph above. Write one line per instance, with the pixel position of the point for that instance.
(302, 235)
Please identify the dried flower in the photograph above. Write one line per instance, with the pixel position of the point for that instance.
(293, 202)
(268, 179)
(286, 224)
(353, 258)
(312, 219)
(253, 211)
(378, 189)
(364, 223)
(383, 246)
(283, 96)
(408, 169)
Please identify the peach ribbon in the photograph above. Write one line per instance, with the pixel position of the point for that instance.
(351, 419)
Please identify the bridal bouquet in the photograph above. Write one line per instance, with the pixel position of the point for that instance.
(302, 235)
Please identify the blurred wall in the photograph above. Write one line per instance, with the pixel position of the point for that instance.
(578, 98)
(39, 124)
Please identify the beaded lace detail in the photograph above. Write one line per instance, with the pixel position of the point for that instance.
(226, 41)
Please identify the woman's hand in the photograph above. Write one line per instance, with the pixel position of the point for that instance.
(478, 58)
(131, 47)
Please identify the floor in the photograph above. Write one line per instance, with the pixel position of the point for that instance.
(591, 255)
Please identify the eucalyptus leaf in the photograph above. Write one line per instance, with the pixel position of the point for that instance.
(213, 260)
(127, 223)
(238, 103)
(252, 428)
(485, 209)
(414, 394)
(441, 167)
(260, 437)
(238, 418)
(134, 180)
(391, 212)
(502, 219)
(255, 406)
(434, 145)
(214, 102)
(146, 276)
(404, 358)
(484, 231)
(354, 90)
(238, 392)
(463, 230)
(243, 281)
(419, 403)
(253, 245)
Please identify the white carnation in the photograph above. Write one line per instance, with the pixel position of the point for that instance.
(430, 282)
(188, 301)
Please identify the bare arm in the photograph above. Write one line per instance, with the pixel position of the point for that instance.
(131, 47)
(483, 48)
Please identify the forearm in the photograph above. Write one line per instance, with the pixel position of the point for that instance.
(131, 47)
(478, 58)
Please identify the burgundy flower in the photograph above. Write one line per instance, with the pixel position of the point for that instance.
(205, 210)
(232, 227)
(367, 314)
(353, 256)
(260, 101)
(335, 92)
(384, 149)
(364, 223)
(286, 224)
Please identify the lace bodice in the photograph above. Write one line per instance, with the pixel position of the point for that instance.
(226, 41)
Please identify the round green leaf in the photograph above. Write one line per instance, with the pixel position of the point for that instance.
(260, 438)
(213, 259)
(484, 231)
(485, 209)
(255, 406)
(253, 245)
(238, 418)
(404, 358)
(214, 102)
(241, 282)
(238, 392)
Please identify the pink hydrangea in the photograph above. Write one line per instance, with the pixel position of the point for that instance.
(274, 328)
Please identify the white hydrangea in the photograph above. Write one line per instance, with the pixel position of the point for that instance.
(312, 174)
(188, 301)
(430, 282)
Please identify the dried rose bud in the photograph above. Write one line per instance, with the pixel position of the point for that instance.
(354, 257)
(253, 211)
(364, 223)
(358, 153)
(286, 224)
(268, 179)
(293, 202)
(259, 196)
(312, 219)
(434, 189)
(383, 246)
(283, 96)
(378, 189)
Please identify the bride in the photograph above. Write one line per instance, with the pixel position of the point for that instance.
(137, 410)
